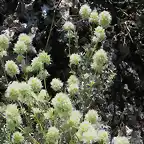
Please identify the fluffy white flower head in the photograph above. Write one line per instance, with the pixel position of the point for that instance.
(120, 140)
(25, 38)
(68, 26)
(4, 42)
(56, 84)
(73, 89)
(74, 119)
(105, 19)
(20, 47)
(103, 136)
(49, 114)
(12, 113)
(52, 135)
(100, 33)
(17, 137)
(25, 92)
(100, 57)
(92, 116)
(73, 80)
(12, 91)
(75, 59)
(85, 11)
(11, 68)
(89, 136)
(62, 104)
(3, 53)
(42, 95)
(36, 65)
(35, 84)
(94, 17)
(44, 57)
(95, 39)
(97, 67)
(84, 126)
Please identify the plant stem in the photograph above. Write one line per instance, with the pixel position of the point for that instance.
(69, 47)
(51, 28)
(36, 118)
(45, 84)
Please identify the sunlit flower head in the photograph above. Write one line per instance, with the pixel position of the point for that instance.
(105, 19)
(52, 135)
(56, 84)
(20, 47)
(68, 26)
(94, 17)
(11, 68)
(17, 137)
(85, 11)
(100, 33)
(75, 59)
(35, 84)
(25, 38)
(62, 104)
(92, 116)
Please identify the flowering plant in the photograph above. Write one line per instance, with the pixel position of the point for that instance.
(72, 115)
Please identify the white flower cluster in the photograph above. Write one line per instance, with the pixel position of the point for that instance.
(94, 17)
(103, 19)
(44, 57)
(25, 92)
(74, 119)
(88, 133)
(73, 85)
(12, 91)
(17, 137)
(23, 44)
(120, 140)
(103, 136)
(35, 84)
(62, 104)
(42, 95)
(92, 116)
(11, 68)
(49, 114)
(85, 11)
(12, 115)
(72, 79)
(99, 33)
(4, 44)
(52, 135)
(99, 60)
(75, 59)
(37, 64)
(20, 48)
(56, 84)
(25, 38)
(68, 26)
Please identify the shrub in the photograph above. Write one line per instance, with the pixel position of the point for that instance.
(72, 116)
